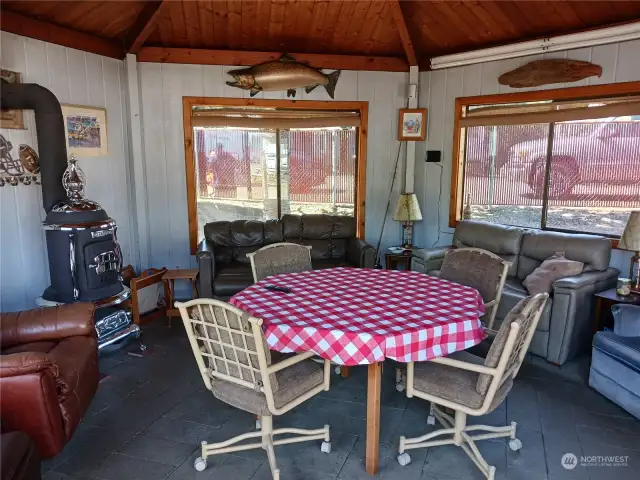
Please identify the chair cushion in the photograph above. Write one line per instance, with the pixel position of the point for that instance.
(626, 350)
(232, 278)
(455, 384)
(293, 381)
(512, 293)
(553, 268)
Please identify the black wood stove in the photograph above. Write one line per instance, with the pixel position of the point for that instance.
(84, 255)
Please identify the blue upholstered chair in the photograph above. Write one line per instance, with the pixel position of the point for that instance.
(615, 363)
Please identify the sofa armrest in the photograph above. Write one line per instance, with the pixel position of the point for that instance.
(360, 253)
(427, 259)
(53, 323)
(24, 363)
(206, 264)
(571, 323)
(585, 279)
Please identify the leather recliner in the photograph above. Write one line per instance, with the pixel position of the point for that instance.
(565, 327)
(222, 255)
(48, 372)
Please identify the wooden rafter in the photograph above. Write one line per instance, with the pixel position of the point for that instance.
(401, 25)
(233, 57)
(30, 27)
(143, 26)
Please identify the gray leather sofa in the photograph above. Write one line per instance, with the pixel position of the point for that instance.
(222, 255)
(565, 327)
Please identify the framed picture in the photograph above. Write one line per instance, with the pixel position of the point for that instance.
(412, 124)
(86, 130)
(11, 118)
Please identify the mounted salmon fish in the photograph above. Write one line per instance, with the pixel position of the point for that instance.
(284, 74)
(544, 72)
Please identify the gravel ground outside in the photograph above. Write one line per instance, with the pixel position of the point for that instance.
(607, 221)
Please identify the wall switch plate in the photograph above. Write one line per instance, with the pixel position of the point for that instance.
(433, 156)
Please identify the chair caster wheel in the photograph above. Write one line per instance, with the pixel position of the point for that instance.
(431, 420)
(325, 447)
(404, 459)
(258, 424)
(200, 464)
(400, 386)
(338, 370)
(515, 444)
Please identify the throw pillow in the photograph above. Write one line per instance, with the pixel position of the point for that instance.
(553, 268)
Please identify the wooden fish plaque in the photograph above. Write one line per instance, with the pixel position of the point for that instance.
(544, 72)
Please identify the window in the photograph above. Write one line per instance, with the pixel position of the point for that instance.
(566, 160)
(259, 159)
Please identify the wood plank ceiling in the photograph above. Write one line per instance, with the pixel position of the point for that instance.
(405, 31)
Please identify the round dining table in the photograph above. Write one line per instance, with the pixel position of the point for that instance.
(360, 316)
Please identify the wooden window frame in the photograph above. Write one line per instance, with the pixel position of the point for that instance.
(190, 164)
(462, 103)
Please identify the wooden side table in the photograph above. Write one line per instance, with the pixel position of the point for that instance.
(393, 260)
(169, 279)
(605, 300)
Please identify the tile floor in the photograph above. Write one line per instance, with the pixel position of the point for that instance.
(151, 413)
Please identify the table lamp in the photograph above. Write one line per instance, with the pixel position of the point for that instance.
(407, 211)
(630, 240)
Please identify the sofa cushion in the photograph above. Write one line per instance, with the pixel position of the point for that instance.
(499, 239)
(41, 347)
(553, 268)
(537, 246)
(625, 350)
(331, 263)
(512, 293)
(320, 249)
(232, 278)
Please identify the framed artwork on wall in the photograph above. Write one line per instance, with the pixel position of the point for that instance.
(412, 124)
(11, 118)
(86, 130)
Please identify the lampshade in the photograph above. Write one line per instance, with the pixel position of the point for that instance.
(407, 209)
(630, 239)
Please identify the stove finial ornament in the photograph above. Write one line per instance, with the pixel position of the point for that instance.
(74, 180)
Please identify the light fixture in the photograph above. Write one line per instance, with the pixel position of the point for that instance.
(619, 33)
(630, 240)
(407, 211)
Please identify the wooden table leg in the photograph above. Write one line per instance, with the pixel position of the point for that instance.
(598, 315)
(344, 371)
(374, 390)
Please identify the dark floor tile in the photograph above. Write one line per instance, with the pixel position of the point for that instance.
(179, 431)
(531, 457)
(555, 449)
(264, 473)
(156, 449)
(202, 407)
(453, 461)
(607, 462)
(121, 467)
(354, 467)
(614, 438)
(54, 475)
(219, 467)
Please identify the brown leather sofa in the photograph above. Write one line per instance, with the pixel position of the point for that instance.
(48, 372)
(19, 459)
(222, 255)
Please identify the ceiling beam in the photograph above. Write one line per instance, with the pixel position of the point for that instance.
(48, 32)
(143, 26)
(401, 25)
(232, 57)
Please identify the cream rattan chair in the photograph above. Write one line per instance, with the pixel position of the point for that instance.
(235, 364)
(474, 386)
(279, 258)
(479, 269)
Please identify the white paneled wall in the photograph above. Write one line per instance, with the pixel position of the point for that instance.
(162, 87)
(438, 91)
(74, 77)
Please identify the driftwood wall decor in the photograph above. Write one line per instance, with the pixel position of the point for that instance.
(544, 72)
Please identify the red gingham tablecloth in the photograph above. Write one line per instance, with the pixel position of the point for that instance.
(356, 316)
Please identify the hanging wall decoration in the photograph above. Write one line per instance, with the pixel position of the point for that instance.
(23, 170)
(283, 74)
(412, 124)
(544, 72)
(11, 118)
(86, 130)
